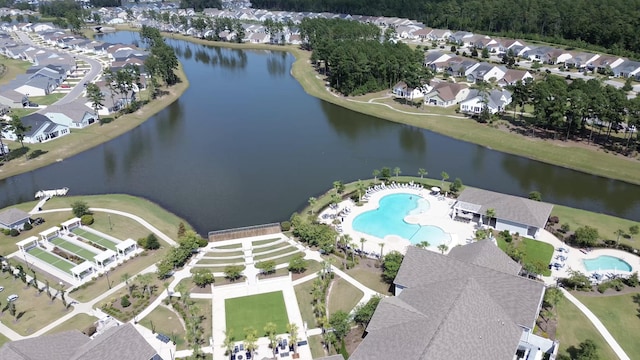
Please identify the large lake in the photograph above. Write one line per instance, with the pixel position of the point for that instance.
(246, 145)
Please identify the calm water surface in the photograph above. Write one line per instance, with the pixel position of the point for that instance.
(246, 145)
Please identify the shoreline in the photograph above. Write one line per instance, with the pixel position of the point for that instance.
(80, 140)
(566, 155)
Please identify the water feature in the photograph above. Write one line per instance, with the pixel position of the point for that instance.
(246, 145)
(606, 262)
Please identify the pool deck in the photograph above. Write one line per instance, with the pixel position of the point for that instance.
(439, 214)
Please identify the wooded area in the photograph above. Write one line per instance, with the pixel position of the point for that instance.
(356, 62)
(612, 24)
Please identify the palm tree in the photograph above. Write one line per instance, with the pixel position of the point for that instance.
(619, 233)
(381, 250)
(338, 186)
(376, 173)
(227, 343)
(397, 171)
(362, 241)
(125, 277)
(444, 177)
(146, 280)
(96, 97)
(166, 287)
(335, 199)
(18, 128)
(360, 189)
(250, 340)
(270, 329)
(423, 244)
(443, 248)
(422, 172)
(312, 202)
(490, 214)
(292, 329)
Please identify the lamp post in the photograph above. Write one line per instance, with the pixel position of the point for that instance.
(110, 226)
(108, 281)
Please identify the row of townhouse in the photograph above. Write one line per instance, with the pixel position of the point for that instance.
(446, 94)
(473, 70)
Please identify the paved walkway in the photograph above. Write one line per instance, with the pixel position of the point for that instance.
(599, 326)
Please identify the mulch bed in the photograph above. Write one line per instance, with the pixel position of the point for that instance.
(354, 338)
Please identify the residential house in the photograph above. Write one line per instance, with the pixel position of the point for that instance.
(423, 34)
(13, 218)
(514, 214)
(38, 86)
(74, 114)
(257, 38)
(462, 38)
(41, 129)
(485, 72)
(627, 69)
(539, 54)
(116, 343)
(457, 66)
(511, 76)
(401, 89)
(42, 27)
(558, 56)
(579, 60)
(446, 94)
(433, 58)
(494, 100)
(469, 304)
(510, 43)
(604, 62)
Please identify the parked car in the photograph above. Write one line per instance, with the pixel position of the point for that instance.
(1, 288)
(37, 221)
(64, 86)
(12, 298)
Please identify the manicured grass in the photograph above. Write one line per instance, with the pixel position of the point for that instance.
(34, 310)
(263, 242)
(228, 254)
(619, 314)
(215, 268)
(305, 298)
(283, 251)
(52, 259)
(315, 344)
(207, 318)
(534, 252)
(231, 246)
(371, 278)
(79, 322)
(256, 311)
(285, 259)
(166, 322)
(83, 139)
(22, 112)
(74, 249)
(280, 245)
(8, 243)
(12, 68)
(343, 296)
(606, 224)
(3, 340)
(47, 99)
(229, 260)
(95, 239)
(574, 328)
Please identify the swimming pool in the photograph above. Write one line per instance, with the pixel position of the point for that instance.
(605, 262)
(388, 219)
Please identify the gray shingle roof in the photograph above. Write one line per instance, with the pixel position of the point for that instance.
(332, 357)
(508, 207)
(484, 253)
(118, 343)
(12, 215)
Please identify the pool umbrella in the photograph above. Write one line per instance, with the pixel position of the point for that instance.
(435, 189)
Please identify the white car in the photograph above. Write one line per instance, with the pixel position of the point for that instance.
(12, 298)
(1, 288)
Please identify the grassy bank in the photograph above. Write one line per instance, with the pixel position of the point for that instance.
(592, 161)
(11, 68)
(84, 139)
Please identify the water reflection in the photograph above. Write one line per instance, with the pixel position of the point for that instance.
(277, 63)
(413, 140)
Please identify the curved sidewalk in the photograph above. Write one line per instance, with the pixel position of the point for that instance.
(599, 326)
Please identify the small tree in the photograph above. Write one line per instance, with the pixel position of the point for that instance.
(443, 248)
(455, 186)
(79, 208)
(444, 177)
(267, 266)
(362, 314)
(422, 172)
(618, 234)
(151, 242)
(298, 264)
(633, 230)
(233, 272)
(586, 235)
(535, 195)
(339, 321)
(181, 229)
(627, 85)
(18, 128)
(587, 350)
(565, 228)
(485, 53)
(124, 301)
(312, 202)
(423, 244)
(96, 97)
(390, 265)
(375, 174)
(203, 277)
(397, 171)
(385, 173)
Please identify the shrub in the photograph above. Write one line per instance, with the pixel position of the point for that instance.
(27, 226)
(86, 219)
(151, 242)
(35, 153)
(285, 225)
(554, 220)
(105, 120)
(89, 330)
(7, 232)
(80, 208)
(124, 301)
(14, 232)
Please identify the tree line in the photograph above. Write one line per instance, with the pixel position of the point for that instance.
(162, 60)
(578, 107)
(611, 24)
(354, 59)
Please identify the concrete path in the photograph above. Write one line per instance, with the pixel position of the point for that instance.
(598, 324)
(140, 220)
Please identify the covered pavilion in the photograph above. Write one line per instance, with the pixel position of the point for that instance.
(71, 224)
(80, 271)
(28, 243)
(49, 234)
(105, 258)
(126, 247)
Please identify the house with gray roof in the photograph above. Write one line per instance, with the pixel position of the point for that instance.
(628, 68)
(41, 129)
(117, 343)
(13, 218)
(495, 101)
(73, 115)
(470, 304)
(513, 213)
(485, 71)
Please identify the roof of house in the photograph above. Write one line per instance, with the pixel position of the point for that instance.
(447, 91)
(454, 307)
(12, 216)
(509, 207)
(494, 98)
(75, 110)
(513, 75)
(73, 345)
(332, 357)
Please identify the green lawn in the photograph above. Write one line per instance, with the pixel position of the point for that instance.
(304, 297)
(534, 252)
(74, 249)
(263, 242)
(47, 99)
(256, 311)
(619, 313)
(12, 68)
(231, 246)
(95, 239)
(606, 224)
(574, 328)
(207, 318)
(343, 296)
(3, 340)
(284, 251)
(79, 322)
(166, 322)
(315, 344)
(52, 259)
(280, 245)
(371, 278)
(225, 254)
(230, 260)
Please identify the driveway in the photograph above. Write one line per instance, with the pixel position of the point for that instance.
(76, 91)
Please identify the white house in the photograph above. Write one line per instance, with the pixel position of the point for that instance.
(485, 72)
(446, 94)
(74, 115)
(496, 101)
(41, 130)
(401, 89)
(13, 218)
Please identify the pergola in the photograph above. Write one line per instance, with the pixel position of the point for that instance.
(81, 270)
(466, 210)
(49, 233)
(126, 247)
(105, 258)
(71, 224)
(28, 243)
